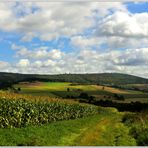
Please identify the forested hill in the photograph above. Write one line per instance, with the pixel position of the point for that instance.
(100, 78)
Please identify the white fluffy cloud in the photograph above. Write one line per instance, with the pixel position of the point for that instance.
(51, 20)
(125, 24)
(4, 65)
(131, 61)
(38, 53)
(83, 42)
(96, 31)
(23, 63)
(124, 29)
(5, 16)
(131, 57)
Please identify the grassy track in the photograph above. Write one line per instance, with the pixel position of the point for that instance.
(104, 129)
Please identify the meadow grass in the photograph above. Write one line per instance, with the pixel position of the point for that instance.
(62, 86)
(59, 89)
(104, 129)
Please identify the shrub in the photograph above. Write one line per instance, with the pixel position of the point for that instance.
(129, 118)
(83, 95)
(142, 139)
(140, 134)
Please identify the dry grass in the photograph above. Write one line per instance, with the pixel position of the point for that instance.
(110, 89)
(11, 95)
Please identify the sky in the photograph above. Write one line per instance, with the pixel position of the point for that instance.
(74, 37)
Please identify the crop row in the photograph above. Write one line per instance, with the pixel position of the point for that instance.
(21, 113)
(14, 96)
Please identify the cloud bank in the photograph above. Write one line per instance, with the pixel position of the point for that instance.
(64, 37)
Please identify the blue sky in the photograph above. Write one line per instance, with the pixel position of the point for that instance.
(72, 37)
(137, 7)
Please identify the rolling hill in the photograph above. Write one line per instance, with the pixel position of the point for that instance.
(7, 79)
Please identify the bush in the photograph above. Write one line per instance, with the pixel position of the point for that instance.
(129, 118)
(83, 95)
(140, 134)
(119, 97)
(142, 139)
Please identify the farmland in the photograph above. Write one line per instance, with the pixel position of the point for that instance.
(102, 129)
(20, 113)
(50, 114)
(73, 73)
(59, 90)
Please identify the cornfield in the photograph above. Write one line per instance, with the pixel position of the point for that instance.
(14, 96)
(17, 113)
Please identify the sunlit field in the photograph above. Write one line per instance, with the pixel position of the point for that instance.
(43, 116)
(73, 73)
(65, 89)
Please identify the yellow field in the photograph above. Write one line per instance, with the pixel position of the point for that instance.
(11, 95)
(111, 89)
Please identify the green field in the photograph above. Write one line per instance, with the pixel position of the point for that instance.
(40, 114)
(59, 90)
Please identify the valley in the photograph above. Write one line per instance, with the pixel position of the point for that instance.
(56, 113)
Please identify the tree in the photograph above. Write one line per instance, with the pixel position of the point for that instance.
(83, 95)
(119, 97)
(68, 89)
(91, 98)
(19, 89)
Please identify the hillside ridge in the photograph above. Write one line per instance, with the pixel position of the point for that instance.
(91, 78)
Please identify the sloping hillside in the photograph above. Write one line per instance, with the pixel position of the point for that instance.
(7, 79)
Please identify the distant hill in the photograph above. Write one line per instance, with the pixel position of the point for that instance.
(7, 79)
